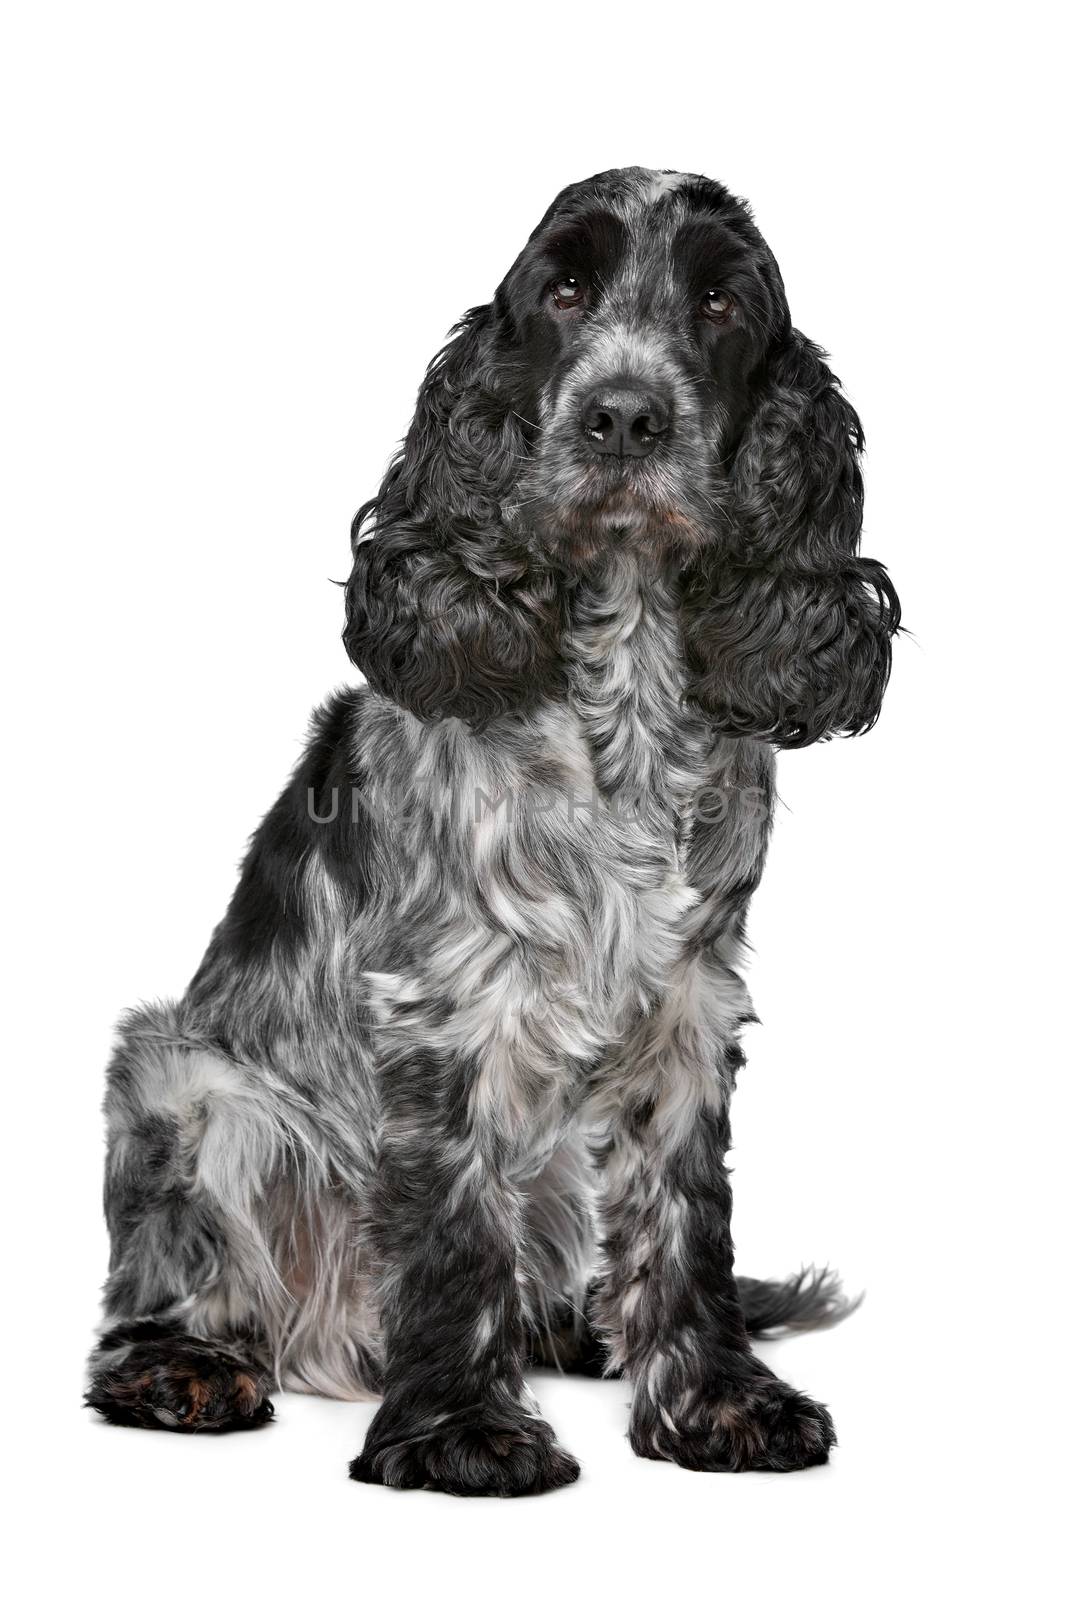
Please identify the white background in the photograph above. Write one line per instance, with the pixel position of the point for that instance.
(234, 237)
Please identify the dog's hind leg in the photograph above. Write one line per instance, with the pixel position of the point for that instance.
(193, 1142)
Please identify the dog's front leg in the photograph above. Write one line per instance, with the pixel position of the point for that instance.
(668, 1304)
(456, 1414)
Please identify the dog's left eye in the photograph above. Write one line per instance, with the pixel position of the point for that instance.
(716, 305)
(566, 293)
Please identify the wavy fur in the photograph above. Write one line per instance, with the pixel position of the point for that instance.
(788, 629)
(446, 613)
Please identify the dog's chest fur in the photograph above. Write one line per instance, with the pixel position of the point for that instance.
(645, 757)
(626, 689)
(559, 918)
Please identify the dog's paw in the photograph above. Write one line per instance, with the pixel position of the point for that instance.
(187, 1385)
(752, 1424)
(491, 1456)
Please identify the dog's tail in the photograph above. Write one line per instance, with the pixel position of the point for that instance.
(811, 1298)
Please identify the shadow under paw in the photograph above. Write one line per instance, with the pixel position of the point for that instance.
(183, 1384)
(490, 1456)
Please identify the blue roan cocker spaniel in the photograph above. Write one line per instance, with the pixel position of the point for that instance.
(449, 1092)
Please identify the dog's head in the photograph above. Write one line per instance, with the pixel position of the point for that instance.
(641, 311)
(636, 383)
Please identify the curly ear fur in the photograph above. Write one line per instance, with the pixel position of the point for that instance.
(446, 614)
(788, 629)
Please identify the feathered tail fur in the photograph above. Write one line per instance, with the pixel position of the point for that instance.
(811, 1298)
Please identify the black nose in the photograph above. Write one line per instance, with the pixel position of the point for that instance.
(623, 421)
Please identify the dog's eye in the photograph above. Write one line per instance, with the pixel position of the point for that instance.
(566, 293)
(716, 305)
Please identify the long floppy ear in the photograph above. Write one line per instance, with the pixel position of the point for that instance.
(788, 630)
(446, 613)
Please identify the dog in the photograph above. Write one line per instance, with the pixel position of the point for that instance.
(449, 1093)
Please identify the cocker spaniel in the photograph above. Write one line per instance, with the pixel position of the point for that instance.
(449, 1091)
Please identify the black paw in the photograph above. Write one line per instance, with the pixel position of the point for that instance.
(476, 1456)
(753, 1423)
(187, 1385)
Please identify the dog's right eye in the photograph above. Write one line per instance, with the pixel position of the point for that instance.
(567, 293)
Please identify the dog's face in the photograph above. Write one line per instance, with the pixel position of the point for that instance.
(636, 385)
(638, 319)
